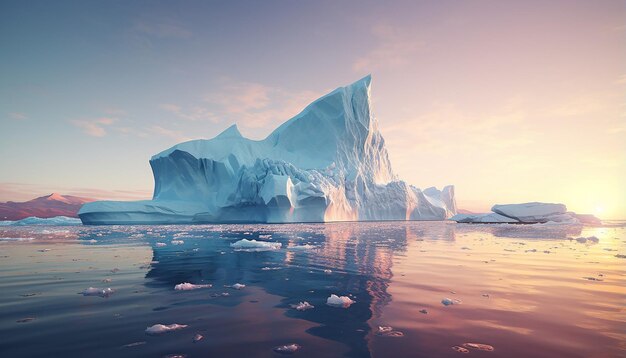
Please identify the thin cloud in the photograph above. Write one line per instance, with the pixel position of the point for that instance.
(169, 133)
(94, 127)
(254, 105)
(195, 113)
(17, 116)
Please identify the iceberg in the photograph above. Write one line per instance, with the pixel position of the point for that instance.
(328, 163)
(53, 221)
(528, 213)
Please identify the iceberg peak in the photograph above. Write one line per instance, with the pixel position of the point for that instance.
(327, 163)
(230, 132)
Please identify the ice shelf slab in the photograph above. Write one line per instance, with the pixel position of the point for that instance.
(528, 213)
(328, 163)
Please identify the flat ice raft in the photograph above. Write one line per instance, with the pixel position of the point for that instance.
(328, 163)
(527, 213)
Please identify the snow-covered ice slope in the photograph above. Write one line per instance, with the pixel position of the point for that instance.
(328, 163)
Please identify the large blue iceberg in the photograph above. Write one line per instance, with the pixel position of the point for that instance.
(328, 163)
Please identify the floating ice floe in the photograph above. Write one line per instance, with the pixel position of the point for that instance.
(160, 244)
(302, 247)
(163, 328)
(584, 240)
(101, 292)
(387, 331)
(479, 346)
(460, 349)
(33, 220)
(287, 348)
(449, 301)
(253, 245)
(303, 306)
(237, 286)
(16, 239)
(186, 286)
(339, 301)
(267, 268)
(177, 242)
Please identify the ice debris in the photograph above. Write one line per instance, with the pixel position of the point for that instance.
(387, 331)
(479, 346)
(162, 328)
(186, 286)
(448, 301)
(253, 245)
(302, 306)
(337, 301)
(287, 348)
(101, 292)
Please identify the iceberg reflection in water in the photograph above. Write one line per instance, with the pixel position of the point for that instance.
(525, 290)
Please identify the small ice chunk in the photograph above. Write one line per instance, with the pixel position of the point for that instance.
(590, 239)
(303, 306)
(134, 344)
(160, 244)
(253, 245)
(186, 286)
(238, 286)
(593, 279)
(302, 247)
(424, 311)
(287, 348)
(479, 346)
(328, 272)
(92, 241)
(339, 301)
(460, 349)
(197, 338)
(106, 280)
(620, 256)
(101, 292)
(162, 328)
(265, 236)
(177, 242)
(387, 331)
(25, 320)
(448, 301)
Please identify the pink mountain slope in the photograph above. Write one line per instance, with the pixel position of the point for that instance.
(44, 207)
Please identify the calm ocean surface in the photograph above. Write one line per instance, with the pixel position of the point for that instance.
(527, 291)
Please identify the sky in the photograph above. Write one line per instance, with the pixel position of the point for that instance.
(510, 101)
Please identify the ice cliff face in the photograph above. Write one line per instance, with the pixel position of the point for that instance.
(328, 163)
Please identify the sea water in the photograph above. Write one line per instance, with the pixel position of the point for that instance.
(402, 289)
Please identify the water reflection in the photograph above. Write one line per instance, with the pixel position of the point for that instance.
(360, 263)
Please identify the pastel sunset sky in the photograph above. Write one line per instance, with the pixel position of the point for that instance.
(510, 101)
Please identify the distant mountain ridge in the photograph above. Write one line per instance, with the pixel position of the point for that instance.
(47, 206)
